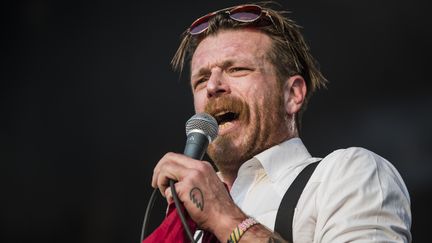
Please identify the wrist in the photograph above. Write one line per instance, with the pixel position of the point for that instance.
(223, 226)
(241, 229)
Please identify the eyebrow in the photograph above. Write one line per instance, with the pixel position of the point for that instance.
(206, 70)
(201, 72)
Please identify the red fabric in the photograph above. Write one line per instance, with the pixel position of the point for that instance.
(171, 229)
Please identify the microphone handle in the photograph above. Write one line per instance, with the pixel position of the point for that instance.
(196, 145)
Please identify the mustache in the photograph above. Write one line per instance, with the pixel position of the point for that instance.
(228, 103)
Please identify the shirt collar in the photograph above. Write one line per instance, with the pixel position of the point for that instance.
(279, 158)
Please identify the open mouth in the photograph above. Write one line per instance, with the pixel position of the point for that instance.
(226, 116)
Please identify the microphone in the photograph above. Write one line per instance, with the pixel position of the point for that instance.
(201, 129)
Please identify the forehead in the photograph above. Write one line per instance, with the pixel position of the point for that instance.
(235, 45)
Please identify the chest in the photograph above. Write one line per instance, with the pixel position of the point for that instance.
(260, 197)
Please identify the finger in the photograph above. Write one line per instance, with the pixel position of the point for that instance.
(168, 195)
(182, 159)
(156, 170)
(179, 188)
(165, 159)
(170, 171)
(173, 159)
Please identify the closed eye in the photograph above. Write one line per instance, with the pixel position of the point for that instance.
(239, 71)
(236, 69)
(199, 83)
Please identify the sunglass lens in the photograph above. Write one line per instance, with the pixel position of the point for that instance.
(244, 16)
(198, 28)
(246, 13)
(200, 25)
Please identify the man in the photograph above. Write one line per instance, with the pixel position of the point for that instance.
(252, 70)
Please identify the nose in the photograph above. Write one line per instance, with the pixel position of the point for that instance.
(217, 84)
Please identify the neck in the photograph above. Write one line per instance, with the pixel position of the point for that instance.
(227, 178)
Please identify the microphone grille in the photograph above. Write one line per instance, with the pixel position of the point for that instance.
(205, 123)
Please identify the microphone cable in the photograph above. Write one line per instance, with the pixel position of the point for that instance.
(147, 215)
(179, 211)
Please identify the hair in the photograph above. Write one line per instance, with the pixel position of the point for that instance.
(289, 52)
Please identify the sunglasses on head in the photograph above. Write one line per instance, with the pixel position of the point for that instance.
(244, 13)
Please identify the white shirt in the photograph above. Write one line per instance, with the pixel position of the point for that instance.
(353, 195)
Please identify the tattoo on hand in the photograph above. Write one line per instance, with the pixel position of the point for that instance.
(197, 197)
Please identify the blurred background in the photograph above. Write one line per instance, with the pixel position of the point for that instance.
(89, 104)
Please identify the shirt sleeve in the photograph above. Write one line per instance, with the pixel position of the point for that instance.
(362, 198)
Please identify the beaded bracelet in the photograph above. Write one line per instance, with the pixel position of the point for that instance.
(241, 229)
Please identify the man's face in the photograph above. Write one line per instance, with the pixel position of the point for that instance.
(233, 80)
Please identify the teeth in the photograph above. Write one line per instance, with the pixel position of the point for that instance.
(225, 125)
(221, 113)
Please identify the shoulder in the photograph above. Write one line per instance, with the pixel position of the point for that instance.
(355, 189)
(358, 162)
(360, 173)
(354, 156)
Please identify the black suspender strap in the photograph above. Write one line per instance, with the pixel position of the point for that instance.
(285, 214)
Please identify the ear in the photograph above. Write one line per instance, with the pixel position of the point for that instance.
(294, 94)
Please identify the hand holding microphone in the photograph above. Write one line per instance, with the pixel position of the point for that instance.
(201, 129)
(198, 187)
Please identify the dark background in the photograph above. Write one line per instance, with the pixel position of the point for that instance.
(89, 104)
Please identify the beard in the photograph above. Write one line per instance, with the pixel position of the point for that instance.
(262, 125)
